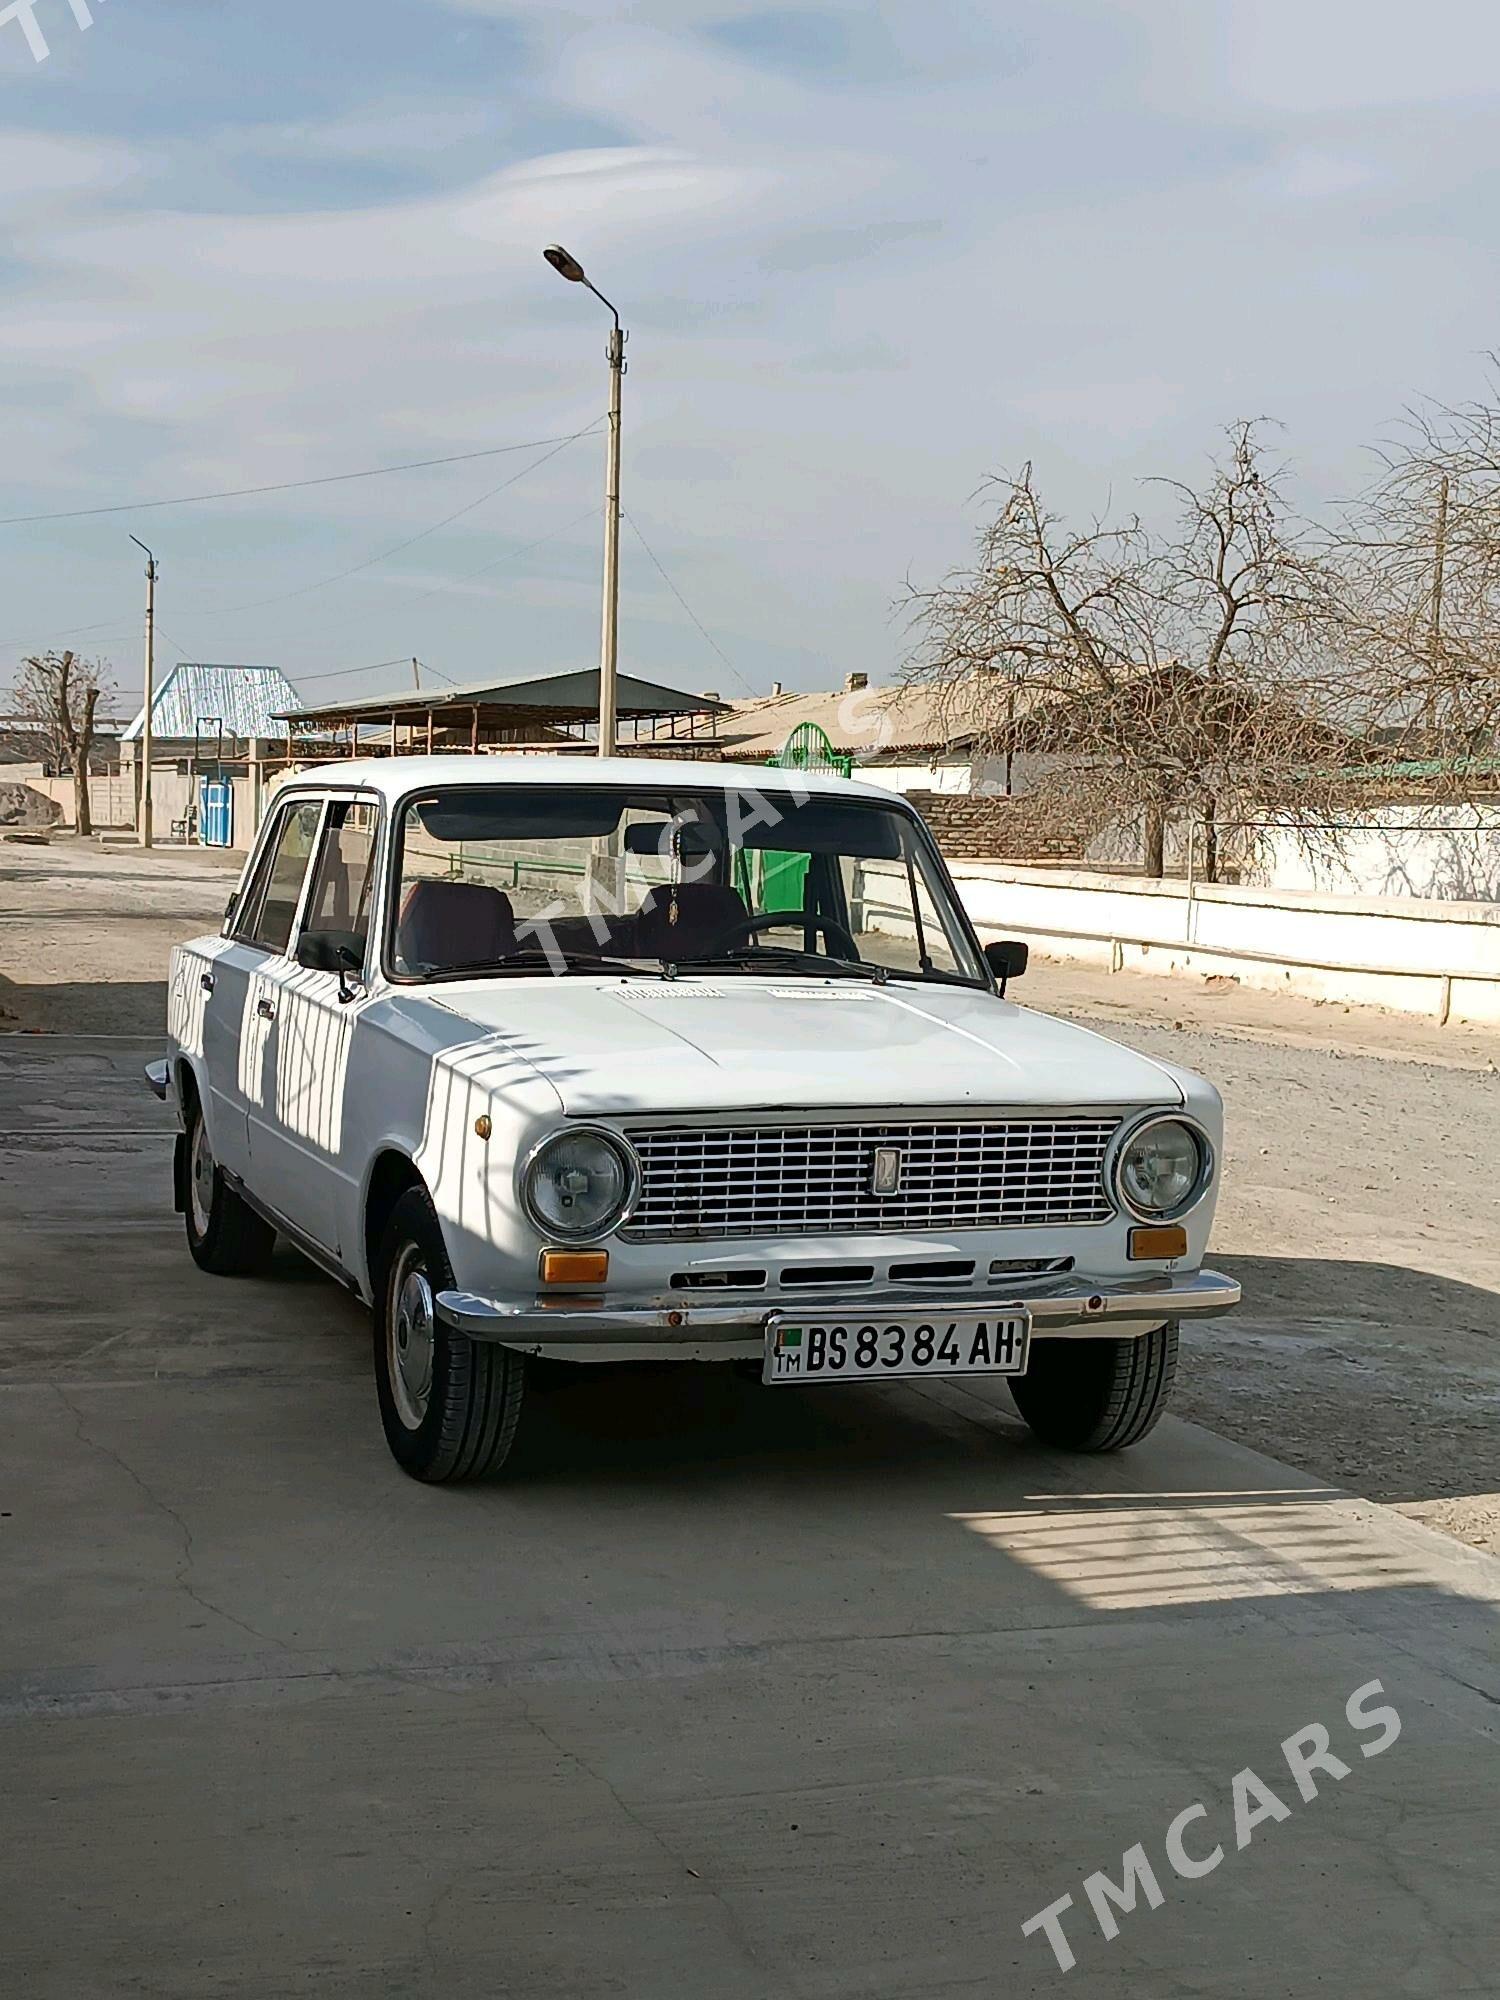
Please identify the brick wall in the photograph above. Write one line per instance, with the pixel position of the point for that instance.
(1028, 826)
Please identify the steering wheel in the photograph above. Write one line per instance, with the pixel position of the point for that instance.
(834, 933)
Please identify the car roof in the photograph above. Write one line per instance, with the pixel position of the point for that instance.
(398, 777)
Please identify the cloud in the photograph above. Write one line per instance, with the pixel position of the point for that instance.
(385, 133)
(1347, 55)
(866, 255)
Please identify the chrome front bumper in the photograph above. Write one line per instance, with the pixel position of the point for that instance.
(1069, 1308)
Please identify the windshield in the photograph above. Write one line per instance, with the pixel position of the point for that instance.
(519, 877)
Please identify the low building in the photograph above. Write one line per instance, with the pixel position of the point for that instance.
(215, 724)
(555, 713)
(910, 738)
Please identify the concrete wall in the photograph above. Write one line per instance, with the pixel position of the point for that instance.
(112, 800)
(940, 774)
(1438, 959)
(1451, 854)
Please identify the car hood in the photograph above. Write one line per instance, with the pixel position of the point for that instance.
(615, 1047)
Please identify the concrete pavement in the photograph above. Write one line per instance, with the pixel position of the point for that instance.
(729, 1692)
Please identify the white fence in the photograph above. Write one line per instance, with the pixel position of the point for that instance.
(1418, 957)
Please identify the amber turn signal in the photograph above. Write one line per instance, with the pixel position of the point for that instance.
(1161, 1241)
(575, 1267)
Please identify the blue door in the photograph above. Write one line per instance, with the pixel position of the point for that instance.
(216, 812)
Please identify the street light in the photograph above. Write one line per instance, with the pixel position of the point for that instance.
(145, 825)
(568, 266)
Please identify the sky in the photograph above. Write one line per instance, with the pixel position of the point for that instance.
(867, 255)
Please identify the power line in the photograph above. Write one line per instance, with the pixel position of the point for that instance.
(398, 548)
(511, 555)
(347, 673)
(114, 627)
(282, 486)
(686, 606)
(110, 625)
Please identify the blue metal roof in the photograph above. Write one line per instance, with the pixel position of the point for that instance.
(197, 699)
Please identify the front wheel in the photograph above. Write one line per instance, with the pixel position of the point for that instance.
(449, 1405)
(1097, 1395)
(224, 1233)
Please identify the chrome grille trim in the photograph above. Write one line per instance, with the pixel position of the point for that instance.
(719, 1181)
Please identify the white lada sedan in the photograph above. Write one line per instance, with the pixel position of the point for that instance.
(623, 1059)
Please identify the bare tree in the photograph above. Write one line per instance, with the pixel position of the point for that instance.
(1159, 678)
(57, 697)
(1421, 551)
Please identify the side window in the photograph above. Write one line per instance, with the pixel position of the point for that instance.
(344, 878)
(266, 918)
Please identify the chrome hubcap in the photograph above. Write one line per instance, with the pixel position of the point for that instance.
(201, 1180)
(410, 1339)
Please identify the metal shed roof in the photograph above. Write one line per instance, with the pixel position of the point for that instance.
(571, 697)
(245, 701)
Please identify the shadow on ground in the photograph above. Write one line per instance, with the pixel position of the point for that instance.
(83, 1007)
(1373, 1376)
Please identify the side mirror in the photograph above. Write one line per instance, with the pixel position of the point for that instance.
(330, 951)
(315, 950)
(1007, 959)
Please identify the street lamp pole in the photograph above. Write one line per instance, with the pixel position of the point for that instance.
(609, 636)
(145, 825)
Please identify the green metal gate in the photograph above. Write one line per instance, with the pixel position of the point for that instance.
(772, 881)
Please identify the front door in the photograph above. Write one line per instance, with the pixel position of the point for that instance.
(300, 1164)
(224, 986)
(246, 978)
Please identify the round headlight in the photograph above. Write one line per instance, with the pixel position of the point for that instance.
(1163, 1168)
(579, 1183)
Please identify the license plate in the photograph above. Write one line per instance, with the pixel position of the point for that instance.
(856, 1349)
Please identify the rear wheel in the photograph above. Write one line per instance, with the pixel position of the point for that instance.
(1097, 1395)
(225, 1235)
(449, 1405)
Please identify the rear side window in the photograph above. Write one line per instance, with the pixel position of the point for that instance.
(338, 907)
(266, 919)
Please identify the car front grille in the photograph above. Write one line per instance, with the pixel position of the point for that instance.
(815, 1180)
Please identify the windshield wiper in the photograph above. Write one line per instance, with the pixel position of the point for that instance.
(913, 977)
(778, 954)
(552, 961)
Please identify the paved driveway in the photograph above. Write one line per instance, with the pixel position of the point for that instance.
(729, 1693)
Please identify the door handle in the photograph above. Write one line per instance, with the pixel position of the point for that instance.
(206, 981)
(266, 1009)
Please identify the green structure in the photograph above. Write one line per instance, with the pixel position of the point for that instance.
(769, 880)
(808, 749)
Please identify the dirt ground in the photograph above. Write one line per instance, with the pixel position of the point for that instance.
(1359, 1206)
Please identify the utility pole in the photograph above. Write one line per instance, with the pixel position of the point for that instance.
(609, 637)
(416, 672)
(145, 823)
(569, 267)
(1435, 635)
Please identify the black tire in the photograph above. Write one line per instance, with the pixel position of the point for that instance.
(1097, 1395)
(225, 1235)
(464, 1425)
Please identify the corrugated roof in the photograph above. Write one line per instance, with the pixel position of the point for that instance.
(198, 699)
(868, 721)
